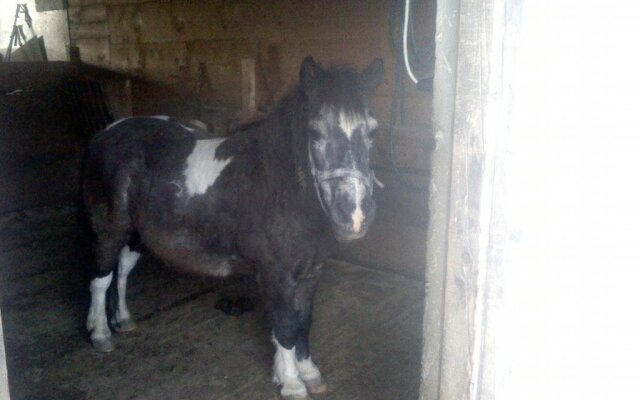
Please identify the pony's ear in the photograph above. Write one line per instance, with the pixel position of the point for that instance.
(372, 76)
(310, 73)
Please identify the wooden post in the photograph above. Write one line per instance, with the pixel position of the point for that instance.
(248, 68)
(460, 200)
(444, 84)
(532, 285)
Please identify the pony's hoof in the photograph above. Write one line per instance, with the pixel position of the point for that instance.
(294, 389)
(103, 345)
(123, 326)
(316, 386)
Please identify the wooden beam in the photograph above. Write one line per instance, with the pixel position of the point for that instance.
(444, 85)
(248, 68)
(460, 201)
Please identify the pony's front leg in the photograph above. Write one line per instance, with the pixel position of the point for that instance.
(288, 303)
(309, 372)
(285, 370)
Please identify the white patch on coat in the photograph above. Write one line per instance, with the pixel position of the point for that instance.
(161, 117)
(203, 168)
(97, 318)
(114, 123)
(128, 260)
(285, 371)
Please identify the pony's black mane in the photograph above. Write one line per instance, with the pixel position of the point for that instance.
(281, 137)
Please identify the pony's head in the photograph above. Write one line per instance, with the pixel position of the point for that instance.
(339, 135)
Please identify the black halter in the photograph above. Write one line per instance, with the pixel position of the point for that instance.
(338, 173)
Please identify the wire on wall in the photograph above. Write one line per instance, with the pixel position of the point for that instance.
(401, 52)
(405, 31)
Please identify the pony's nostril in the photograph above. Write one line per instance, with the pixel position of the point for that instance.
(344, 210)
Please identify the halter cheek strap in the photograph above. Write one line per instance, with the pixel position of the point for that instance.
(314, 173)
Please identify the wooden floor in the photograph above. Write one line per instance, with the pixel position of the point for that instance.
(366, 337)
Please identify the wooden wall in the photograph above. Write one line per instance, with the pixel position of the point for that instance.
(194, 48)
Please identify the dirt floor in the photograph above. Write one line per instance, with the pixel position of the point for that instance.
(366, 337)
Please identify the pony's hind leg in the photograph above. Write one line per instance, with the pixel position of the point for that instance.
(110, 235)
(121, 320)
(97, 317)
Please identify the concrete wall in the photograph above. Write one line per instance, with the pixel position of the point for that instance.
(52, 25)
(195, 49)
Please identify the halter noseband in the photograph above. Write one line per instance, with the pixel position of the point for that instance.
(338, 173)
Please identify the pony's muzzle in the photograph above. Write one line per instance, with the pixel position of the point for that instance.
(351, 223)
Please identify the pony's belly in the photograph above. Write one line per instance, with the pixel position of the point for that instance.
(185, 251)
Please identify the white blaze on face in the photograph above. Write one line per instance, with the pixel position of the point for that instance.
(203, 168)
(350, 122)
(357, 217)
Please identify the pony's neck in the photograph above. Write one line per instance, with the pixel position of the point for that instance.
(287, 126)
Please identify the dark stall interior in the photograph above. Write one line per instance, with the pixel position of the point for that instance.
(218, 64)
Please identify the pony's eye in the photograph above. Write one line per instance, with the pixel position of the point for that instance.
(373, 133)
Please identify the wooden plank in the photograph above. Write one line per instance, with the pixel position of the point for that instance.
(463, 234)
(248, 71)
(81, 3)
(278, 20)
(94, 51)
(85, 30)
(454, 330)
(444, 84)
(90, 13)
(50, 5)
